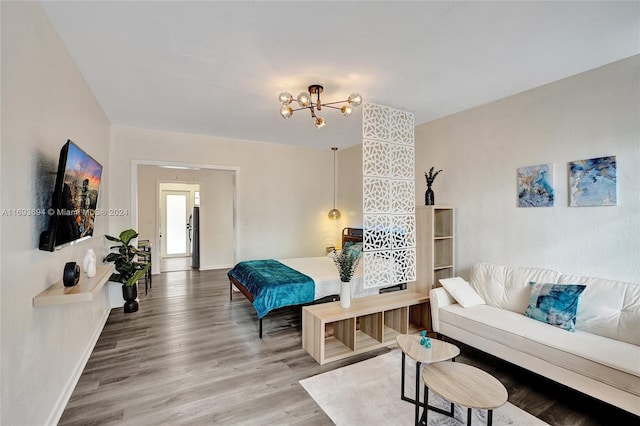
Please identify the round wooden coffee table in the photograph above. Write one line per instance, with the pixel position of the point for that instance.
(464, 385)
(439, 351)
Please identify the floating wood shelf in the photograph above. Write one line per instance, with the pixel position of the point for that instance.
(84, 291)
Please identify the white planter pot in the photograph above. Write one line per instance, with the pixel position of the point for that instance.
(345, 295)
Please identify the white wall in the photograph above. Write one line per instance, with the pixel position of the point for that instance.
(350, 186)
(45, 101)
(589, 115)
(284, 192)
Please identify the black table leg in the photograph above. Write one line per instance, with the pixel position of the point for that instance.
(417, 416)
(402, 378)
(489, 417)
(425, 412)
(468, 416)
(418, 403)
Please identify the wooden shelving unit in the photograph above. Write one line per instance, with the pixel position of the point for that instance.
(84, 291)
(330, 333)
(435, 246)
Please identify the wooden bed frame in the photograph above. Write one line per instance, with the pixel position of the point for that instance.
(348, 234)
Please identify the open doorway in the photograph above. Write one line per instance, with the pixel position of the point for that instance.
(179, 247)
(217, 213)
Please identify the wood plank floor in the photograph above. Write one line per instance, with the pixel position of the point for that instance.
(190, 356)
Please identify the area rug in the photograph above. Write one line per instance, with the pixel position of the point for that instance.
(368, 393)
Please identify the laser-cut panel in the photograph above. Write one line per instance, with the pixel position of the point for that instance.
(376, 195)
(377, 235)
(379, 269)
(375, 158)
(375, 122)
(402, 159)
(402, 196)
(401, 127)
(403, 233)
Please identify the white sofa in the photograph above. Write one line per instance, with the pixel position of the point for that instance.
(601, 358)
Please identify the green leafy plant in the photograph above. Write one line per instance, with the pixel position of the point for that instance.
(347, 261)
(128, 271)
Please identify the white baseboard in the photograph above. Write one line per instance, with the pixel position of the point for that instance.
(65, 395)
(211, 267)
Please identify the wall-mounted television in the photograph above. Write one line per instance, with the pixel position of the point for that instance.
(75, 197)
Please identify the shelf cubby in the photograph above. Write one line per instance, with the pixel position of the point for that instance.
(330, 333)
(435, 246)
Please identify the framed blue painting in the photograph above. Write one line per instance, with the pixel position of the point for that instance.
(593, 182)
(535, 186)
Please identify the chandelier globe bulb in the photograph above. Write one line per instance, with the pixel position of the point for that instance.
(304, 99)
(285, 98)
(346, 110)
(355, 99)
(286, 111)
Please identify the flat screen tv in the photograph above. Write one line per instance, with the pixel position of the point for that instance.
(75, 197)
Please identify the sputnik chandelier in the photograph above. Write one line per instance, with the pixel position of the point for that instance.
(305, 100)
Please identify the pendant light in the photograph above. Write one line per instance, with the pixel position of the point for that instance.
(334, 214)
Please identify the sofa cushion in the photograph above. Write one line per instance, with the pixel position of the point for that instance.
(608, 308)
(606, 360)
(555, 304)
(461, 292)
(508, 287)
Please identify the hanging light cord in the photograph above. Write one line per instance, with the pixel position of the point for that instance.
(334, 176)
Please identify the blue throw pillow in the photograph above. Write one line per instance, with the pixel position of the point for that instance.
(352, 248)
(555, 304)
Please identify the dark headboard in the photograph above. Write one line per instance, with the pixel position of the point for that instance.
(351, 234)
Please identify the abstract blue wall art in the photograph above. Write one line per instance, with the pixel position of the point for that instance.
(535, 186)
(593, 182)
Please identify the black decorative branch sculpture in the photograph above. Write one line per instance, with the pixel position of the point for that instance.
(429, 198)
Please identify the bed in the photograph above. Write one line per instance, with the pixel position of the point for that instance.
(275, 283)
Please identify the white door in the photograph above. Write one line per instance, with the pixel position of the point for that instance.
(175, 210)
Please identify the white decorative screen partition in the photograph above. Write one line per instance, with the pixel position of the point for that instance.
(388, 195)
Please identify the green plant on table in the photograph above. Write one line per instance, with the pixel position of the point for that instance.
(347, 261)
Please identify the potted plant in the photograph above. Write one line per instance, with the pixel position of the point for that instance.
(347, 261)
(128, 271)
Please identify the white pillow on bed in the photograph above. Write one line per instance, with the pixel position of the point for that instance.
(460, 290)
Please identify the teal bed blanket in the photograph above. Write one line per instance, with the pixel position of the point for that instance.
(273, 285)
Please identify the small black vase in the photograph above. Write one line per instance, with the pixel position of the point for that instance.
(130, 293)
(429, 199)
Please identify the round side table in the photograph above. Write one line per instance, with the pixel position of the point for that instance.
(464, 385)
(439, 351)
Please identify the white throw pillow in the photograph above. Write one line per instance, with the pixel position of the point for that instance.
(460, 290)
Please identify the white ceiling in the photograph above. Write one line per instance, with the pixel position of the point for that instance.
(216, 68)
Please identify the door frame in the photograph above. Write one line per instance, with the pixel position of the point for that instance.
(155, 266)
(162, 228)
